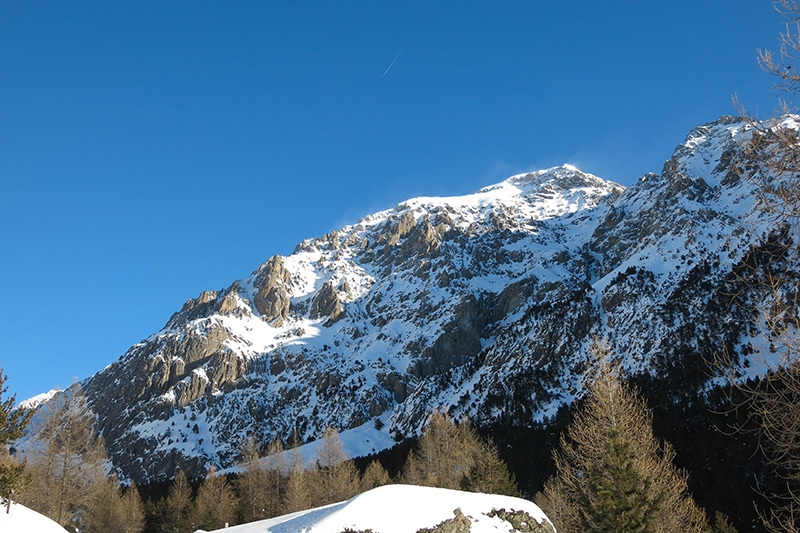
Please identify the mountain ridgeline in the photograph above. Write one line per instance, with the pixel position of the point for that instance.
(481, 305)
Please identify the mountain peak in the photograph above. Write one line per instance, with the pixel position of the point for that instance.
(480, 305)
(564, 177)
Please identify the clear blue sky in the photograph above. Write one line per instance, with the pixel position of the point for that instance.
(152, 150)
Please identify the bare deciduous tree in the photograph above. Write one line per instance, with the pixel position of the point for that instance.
(444, 454)
(374, 476)
(70, 465)
(179, 509)
(612, 473)
(298, 496)
(335, 478)
(770, 158)
(215, 502)
(113, 509)
(261, 486)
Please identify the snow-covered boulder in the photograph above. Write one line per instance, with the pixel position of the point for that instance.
(409, 509)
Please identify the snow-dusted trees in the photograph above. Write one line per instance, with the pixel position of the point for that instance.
(613, 475)
(12, 425)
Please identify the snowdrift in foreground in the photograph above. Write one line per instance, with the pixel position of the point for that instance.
(404, 509)
(24, 520)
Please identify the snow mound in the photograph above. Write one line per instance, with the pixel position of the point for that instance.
(399, 509)
(24, 520)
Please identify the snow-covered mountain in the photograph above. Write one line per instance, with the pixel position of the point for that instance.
(483, 305)
(410, 509)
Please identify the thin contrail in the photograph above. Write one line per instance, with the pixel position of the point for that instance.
(395, 57)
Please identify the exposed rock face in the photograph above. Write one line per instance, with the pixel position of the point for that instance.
(482, 305)
(326, 304)
(458, 524)
(272, 299)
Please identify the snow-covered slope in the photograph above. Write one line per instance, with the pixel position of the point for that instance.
(20, 519)
(407, 509)
(482, 305)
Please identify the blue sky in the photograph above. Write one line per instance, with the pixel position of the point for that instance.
(153, 150)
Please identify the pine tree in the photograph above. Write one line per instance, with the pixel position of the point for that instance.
(13, 477)
(12, 425)
(612, 473)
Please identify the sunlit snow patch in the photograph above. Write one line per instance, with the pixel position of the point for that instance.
(401, 509)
